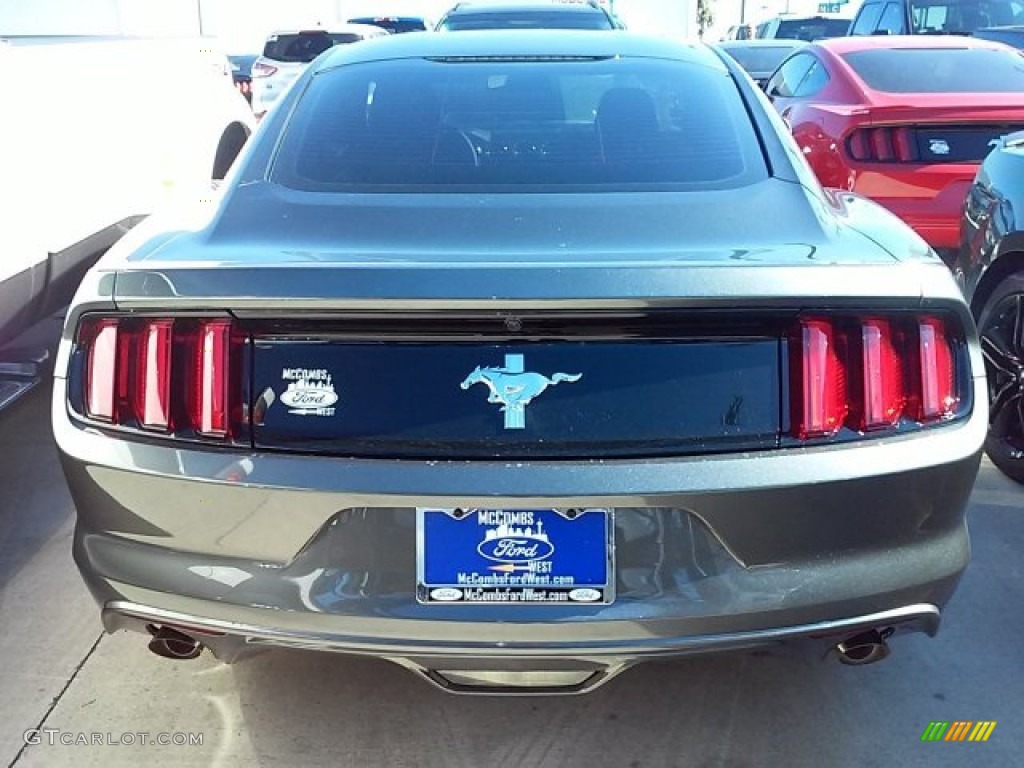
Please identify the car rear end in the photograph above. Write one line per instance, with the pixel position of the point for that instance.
(931, 117)
(577, 431)
(286, 55)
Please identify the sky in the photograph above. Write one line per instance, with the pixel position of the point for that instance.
(241, 25)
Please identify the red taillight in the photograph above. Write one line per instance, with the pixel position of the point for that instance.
(101, 369)
(881, 371)
(152, 390)
(820, 404)
(211, 364)
(882, 145)
(260, 69)
(162, 375)
(868, 373)
(938, 396)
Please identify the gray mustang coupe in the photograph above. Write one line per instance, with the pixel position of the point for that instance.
(517, 359)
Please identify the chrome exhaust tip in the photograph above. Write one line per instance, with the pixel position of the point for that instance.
(864, 648)
(172, 644)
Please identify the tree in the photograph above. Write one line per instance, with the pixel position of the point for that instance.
(705, 16)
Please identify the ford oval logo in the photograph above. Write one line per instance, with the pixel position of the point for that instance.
(515, 549)
(584, 595)
(446, 594)
(309, 398)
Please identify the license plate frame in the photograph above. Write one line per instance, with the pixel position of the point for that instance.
(522, 556)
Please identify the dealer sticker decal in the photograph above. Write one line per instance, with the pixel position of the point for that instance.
(310, 391)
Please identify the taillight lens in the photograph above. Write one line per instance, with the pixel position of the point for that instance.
(937, 377)
(893, 144)
(163, 375)
(870, 373)
(101, 336)
(820, 403)
(262, 69)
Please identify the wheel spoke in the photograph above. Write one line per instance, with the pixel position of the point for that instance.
(1017, 342)
(1001, 408)
(998, 355)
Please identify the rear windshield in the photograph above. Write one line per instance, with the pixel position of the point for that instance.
(939, 70)
(304, 46)
(812, 29)
(951, 17)
(526, 19)
(611, 123)
(759, 59)
(392, 25)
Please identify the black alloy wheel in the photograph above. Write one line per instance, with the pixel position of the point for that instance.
(1001, 326)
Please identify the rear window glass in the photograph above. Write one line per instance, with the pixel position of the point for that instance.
(511, 125)
(812, 29)
(304, 46)
(939, 70)
(953, 17)
(759, 59)
(527, 19)
(392, 25)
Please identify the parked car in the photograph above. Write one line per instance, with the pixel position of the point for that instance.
(1012, 36)
(990, 266)
(526, 14)
(739, 32)
(287, 54)
(241, 73)
(82, 165)
(903, 120)
(808, 28)
(760, 58)
(395, 25)
(490, 361)
(934, 17)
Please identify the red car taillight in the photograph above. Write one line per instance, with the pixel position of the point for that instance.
(163, 375)
(260, 69)
(869, 373)
(893, 144)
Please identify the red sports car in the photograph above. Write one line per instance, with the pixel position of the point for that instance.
(903, 120)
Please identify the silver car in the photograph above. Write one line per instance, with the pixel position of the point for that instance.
(517, 360)
(286, 54)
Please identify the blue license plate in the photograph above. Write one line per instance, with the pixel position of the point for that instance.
(514, 556)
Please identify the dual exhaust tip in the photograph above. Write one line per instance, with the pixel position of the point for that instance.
(172, 644)
(864, 648)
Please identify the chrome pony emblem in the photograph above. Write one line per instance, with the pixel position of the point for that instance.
(938, 146)
(514, 387)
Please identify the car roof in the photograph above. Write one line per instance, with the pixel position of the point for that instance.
(334, 29)
(841, 45)
(763, 42)
(511, 6)
(538, 44)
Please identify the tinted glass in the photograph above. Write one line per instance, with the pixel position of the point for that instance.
(786, 80)
(305, 46)
(892, 20)
(759, 59)
(963, 16)
(392, 25)
(814, 81)
(812, 29)
(527, 19)
(867, 19)
(939, 70)
(549, 126)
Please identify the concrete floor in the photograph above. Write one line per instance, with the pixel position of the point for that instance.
(777, 708)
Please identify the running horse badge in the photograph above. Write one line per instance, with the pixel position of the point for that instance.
(514, 387)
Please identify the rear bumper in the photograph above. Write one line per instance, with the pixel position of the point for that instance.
(712, 553)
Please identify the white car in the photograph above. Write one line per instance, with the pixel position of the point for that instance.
(81, 165)
(287, 54)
